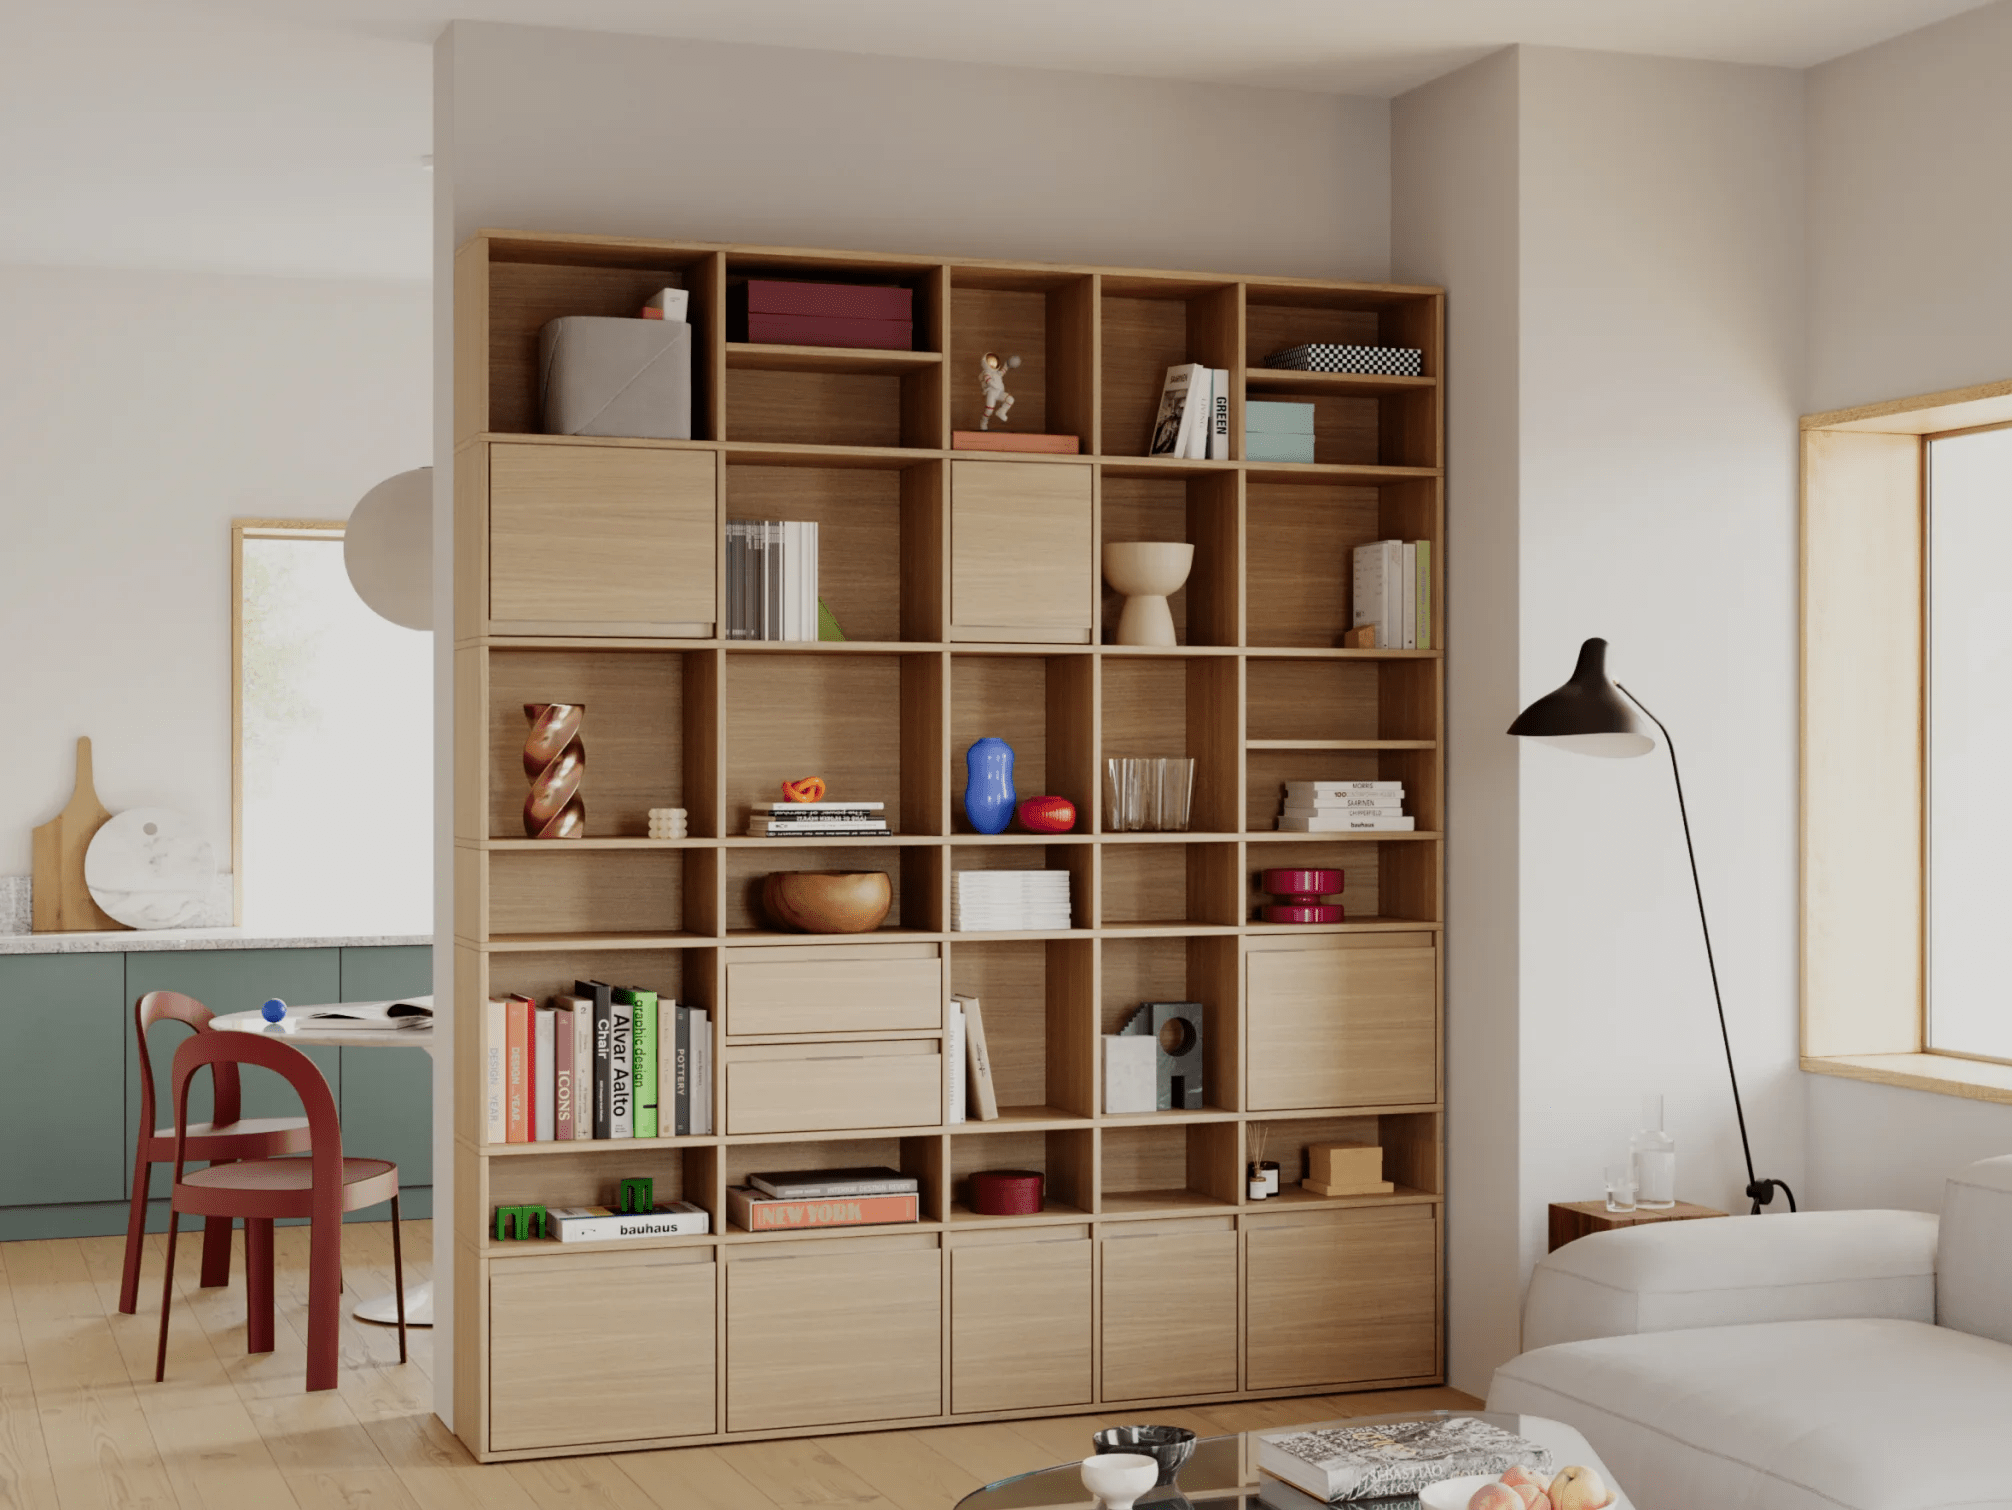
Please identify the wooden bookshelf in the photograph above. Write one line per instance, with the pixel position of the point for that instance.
(590, 570)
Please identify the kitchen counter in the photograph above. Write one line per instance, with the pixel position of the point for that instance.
(157, 940)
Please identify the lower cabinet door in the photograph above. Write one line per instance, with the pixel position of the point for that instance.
(825, 1332)
(1170, 1310)
(594, 1348)
(1342, 1297)
(1020, 1321)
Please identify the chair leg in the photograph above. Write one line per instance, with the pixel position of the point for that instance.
(167, 1296)
(258, 1284)
(136, 1237)
(398, 1277)
(216, 1252)
(324, 1303)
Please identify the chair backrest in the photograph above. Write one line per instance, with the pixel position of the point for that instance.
(1973, 1275)
(172, 1006)
(224, 1052)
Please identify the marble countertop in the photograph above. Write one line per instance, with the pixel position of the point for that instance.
(148, 941)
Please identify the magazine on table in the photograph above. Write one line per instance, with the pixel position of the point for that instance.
(388, 1016)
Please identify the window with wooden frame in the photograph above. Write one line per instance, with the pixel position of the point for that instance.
(1906, 679)
(331, 744)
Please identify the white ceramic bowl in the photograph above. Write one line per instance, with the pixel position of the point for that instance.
(1453, 1494)
(1117, 1479)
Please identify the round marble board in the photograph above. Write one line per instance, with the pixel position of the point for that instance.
(150, 868)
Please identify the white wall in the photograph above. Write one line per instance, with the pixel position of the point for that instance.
(1454, 217)
(1910, 291)
(139, 414)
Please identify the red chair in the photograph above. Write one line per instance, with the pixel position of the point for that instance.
(226, 1137)
(320, 1186)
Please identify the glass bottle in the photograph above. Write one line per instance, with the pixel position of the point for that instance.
(1655, 1154)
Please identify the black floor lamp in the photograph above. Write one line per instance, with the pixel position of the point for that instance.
(1588, 717)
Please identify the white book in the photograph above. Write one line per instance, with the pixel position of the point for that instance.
(1131, 1073)
(1407, 581)
(982, 1101)
(669, 304)
(1354, 800)
(1171, 425)
(1202, 407)
(1219, 414)
(1390, 627)
(495, 1037)
(1346, 825)
(792, 568)
(811, 587)
(622, 1070)
(953, 1049)
(1377, 810)
(545, 1056)
(1367, 591)
(590, 1224)
(702, 1073)
(1299, 789)
(582, 1018)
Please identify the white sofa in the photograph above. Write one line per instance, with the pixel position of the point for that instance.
(1854, 1359)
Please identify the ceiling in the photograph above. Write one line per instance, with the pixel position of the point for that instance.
(285, 136)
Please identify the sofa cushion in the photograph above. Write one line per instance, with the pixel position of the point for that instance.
(1790, 1415)
(1973, 1288)
(1667, 1275)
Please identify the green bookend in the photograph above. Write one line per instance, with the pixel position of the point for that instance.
(517, 1222)
(827, 623)
(638, 1197)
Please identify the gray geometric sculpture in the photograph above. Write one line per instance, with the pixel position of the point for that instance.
(1177, 1026)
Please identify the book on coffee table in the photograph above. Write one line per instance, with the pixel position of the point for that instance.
(1354, 1463)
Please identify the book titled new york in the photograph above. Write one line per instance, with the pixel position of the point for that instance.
(593, 1224)
(601, 994)
(817, 1184)
(752, 1211)
(1344, 1462)
(642, 1007)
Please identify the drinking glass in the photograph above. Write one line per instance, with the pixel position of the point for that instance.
(1125, 794)
(1621, 1187)
(1173, 791)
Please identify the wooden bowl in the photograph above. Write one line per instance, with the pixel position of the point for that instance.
(827, 901)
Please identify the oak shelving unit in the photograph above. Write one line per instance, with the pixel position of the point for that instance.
(590, 570)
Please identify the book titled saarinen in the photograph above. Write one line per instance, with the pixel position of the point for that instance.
(754, 1212)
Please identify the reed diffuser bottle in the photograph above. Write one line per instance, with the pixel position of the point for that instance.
(1655, 1159)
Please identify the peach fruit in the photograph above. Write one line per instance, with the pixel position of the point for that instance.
(1578, 1488)
(1495, 1497)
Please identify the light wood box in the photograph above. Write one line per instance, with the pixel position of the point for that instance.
(1020, 1311)
(789, 1088)
(1170, 1309)
(1383, 1049)
(810, 992)
(1342, 1297)
(1344, 1163)
(1020, 553)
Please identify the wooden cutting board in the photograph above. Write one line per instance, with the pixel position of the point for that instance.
(62, 902)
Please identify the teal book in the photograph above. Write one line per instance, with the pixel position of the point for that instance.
(645, 1060)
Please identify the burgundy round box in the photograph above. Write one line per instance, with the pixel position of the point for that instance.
(1006, 1192)
(1299, 894)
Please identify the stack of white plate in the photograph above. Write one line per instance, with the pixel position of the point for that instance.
(1009, 901)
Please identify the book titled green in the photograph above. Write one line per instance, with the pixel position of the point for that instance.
(644, 1005)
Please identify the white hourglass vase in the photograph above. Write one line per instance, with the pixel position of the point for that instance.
(1147, 572)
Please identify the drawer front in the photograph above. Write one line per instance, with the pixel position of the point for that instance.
(1020, 1325)
(608, 1353)
(807, 1088)
(1020, 552)
(1343, 1023)
(875, 996)
(1170, 1315)
(839, 1334)
(1347, 1299)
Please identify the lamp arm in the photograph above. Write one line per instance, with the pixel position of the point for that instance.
(1761, 1192)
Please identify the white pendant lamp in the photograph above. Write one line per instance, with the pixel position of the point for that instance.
(387, 548)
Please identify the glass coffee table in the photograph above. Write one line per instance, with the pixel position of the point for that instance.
(1223, 1474)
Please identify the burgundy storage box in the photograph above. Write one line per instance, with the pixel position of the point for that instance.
(775, 313)
(1006, 1192)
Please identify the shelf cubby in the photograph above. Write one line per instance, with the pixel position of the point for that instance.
(1077, 859)
(1199, 968)
(1171, 1167)
(1267, 770)
(1364, 422)
(1176, 706)
(1410, 1142)
(648, 732)
(1148, 325)
(858, 512)
(1389, 877)
(1040, 705)
(1320, 701)
(914, 874)
(1158, 886)
(1044, 319)
(557, 889)
(560, 1174)
(681, 974)
(921, 1156)
(1036, 996)
(1066, 1157)
(1199, 510)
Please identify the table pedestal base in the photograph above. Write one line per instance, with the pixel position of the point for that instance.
(384, 1309)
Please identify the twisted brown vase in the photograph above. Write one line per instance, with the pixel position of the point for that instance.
(555, 760)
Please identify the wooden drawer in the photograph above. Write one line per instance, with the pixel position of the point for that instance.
(1020, 1320)
(1342, 1297)
(593, 1348)
(826, 1332)
(1342, 1021)
(1020, 554)
(619, 537)
(792, 1087)
(1170, 1309)
(834, 990)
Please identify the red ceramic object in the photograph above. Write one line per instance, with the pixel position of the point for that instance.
(1299, 894)
(1047, 815)
(1295, 912)
(1006, 1192)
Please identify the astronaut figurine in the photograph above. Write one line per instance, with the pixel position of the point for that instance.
(992, 369)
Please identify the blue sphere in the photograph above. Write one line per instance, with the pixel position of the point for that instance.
(273, 1010)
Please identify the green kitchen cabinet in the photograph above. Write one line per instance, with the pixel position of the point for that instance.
(62, 1042)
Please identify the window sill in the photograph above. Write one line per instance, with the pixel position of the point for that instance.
(1939, 1074)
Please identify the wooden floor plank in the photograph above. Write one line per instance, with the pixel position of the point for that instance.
(904, 1467)
(438, 1472)
(692, 1478)
(988, 1453)
(579, 1484)
(801, 1474)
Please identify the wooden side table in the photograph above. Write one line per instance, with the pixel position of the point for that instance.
(1575, 1219)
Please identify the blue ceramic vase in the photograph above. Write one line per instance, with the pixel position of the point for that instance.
(988, 785)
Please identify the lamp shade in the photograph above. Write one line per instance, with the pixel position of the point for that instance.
(387, 548)
(1589, 715)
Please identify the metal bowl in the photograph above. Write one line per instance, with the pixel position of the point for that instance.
(1169, 1446)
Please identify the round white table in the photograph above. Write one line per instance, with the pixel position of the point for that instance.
(310, 1025)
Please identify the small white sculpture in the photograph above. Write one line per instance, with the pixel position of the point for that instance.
(992, 370)
(668, 823)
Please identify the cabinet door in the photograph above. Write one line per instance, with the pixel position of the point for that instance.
(1170, 1314)
(819, 1333)
(1020, 566)
(1342, 1297)
(586, 1349)
(811, 1087)
(622, 538)
(1343, 1022)
(387, 1090)
(1020, 1324)
(64, 1031)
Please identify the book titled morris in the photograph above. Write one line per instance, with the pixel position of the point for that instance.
(751, 1211)
(1335, 1463)
(595, 1224)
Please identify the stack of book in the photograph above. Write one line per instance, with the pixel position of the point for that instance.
(1009, 901)
(1339, 807)
(815, 820)
(1390, 1462)
(972, 1094)
(803, 1198)
(772, 579)
(1194, 415)
(1393, 593)
(604, 1062)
